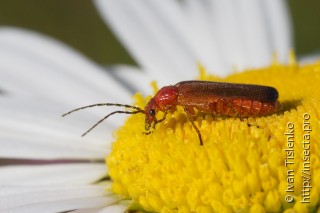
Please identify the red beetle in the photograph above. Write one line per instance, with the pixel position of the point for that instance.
(218, 98)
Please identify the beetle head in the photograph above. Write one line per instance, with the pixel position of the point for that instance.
(164, 100)
(150, 110)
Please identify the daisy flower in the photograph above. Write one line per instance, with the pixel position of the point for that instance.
(49, 168)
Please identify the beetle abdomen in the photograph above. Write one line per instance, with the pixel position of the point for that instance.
(242, 107)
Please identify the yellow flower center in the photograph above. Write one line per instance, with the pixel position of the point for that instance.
(271, 165)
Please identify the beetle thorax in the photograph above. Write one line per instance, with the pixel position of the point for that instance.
(166, 98)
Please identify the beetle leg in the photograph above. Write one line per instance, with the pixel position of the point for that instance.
(162, 119)
(147, 133)
(156, 122)
(191, 113)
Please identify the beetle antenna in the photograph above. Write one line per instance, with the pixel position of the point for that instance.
(107, 116)
(105, 104)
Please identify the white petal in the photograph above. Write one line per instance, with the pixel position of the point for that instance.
(64, 205)
(46, 116)
(37, 131)
(221, 35)
(37, 65)
(262, 28)
(40, 148)
(205, 40)
(114, 208)
(121, 208)
(133, 78)
(254, 33)
(60, 174)
(150, 32)
(308, 59)
(225, 22)
(70, 191)
(280, 30)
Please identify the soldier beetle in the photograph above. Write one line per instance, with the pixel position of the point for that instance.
(218, 98)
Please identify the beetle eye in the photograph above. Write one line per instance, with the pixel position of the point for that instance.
(152, 112)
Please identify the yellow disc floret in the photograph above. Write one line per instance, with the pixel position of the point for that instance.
(271, 165)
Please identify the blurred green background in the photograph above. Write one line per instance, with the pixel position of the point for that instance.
(77, 23)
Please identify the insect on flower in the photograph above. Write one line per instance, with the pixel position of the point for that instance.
(218, 98)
